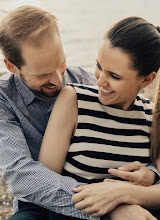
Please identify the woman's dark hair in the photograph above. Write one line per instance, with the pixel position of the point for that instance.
(140, 39)
(155, 132)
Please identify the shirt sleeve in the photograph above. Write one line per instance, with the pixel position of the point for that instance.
(152, 167)
(30, 180)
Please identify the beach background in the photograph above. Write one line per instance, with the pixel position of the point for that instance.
(82, 24)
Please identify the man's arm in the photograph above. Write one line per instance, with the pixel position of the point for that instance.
(30, 180)
(153, 168)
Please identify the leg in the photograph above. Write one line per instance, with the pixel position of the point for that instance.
(29, 211)
(56, 216)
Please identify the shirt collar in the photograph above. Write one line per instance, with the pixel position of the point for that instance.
(27, 95)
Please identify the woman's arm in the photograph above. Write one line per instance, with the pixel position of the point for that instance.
(131, 212)
(61, 126)
(101, 198)
(136, 173)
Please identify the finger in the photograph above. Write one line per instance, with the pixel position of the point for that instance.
(112, 171)
(77, 197)
(123, 174)
(89, 210)
(79, 189)
(136, 165)
(151, 217)
(95, 214)
(82, 205)
(111, 180)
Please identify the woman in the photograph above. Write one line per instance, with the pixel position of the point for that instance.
(109, 125)
(155, 139)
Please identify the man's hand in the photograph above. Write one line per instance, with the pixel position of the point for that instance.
(100, 198)
(136, 173)
(130, 212)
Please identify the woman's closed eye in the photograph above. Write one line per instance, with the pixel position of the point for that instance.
(111, 74)
(114, 76)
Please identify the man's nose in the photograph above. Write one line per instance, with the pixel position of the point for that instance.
(56, 78)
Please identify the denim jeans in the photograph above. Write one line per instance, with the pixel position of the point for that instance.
(30, 211)
(56, 216)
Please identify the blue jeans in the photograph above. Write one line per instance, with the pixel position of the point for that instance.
(30, 211)
(56, 216)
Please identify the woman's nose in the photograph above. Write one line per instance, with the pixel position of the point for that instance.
(102, 80)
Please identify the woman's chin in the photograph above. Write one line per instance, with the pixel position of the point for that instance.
(104, 102)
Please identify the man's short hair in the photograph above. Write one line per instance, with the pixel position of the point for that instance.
(25, 24)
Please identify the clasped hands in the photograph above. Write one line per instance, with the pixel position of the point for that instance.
(101, 198)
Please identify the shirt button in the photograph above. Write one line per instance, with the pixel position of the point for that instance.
(63, 211)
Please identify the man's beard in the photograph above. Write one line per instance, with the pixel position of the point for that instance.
(40, 93)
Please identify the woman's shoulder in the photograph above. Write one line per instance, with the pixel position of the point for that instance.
(144, 100)
(144, 104)
(67, 93)
(85, 89)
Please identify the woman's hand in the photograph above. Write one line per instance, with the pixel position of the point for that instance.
(100, 198)
(136, 173)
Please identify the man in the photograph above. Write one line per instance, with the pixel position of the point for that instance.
(33, 53)
(30, 43)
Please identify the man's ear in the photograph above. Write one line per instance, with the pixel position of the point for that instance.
(148, 79)
(11, 67)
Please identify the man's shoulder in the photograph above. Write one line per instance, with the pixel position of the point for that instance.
(76, 69)
(79, 75)
(7, 84)
(6, 77)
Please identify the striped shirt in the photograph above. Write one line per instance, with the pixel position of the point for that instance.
(23, 119)
(107, 137)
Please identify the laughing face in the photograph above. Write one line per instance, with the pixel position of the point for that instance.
(118, 82)
(44, 68)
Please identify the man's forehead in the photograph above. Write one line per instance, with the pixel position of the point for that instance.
(43, 60)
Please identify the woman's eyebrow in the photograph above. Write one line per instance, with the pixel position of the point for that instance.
(115, 74)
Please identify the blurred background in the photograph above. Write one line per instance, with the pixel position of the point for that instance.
(82, 24)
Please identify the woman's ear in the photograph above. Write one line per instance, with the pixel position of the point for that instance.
(148, 79)
(11, 67)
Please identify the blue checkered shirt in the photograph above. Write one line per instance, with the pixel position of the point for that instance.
(23, 119)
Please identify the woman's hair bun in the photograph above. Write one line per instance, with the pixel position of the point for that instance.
(158, 28)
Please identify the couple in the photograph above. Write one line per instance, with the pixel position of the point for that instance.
(109, 126)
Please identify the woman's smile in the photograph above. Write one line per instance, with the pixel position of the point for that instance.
(106, 91)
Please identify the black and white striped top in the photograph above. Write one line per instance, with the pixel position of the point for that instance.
(107, 137)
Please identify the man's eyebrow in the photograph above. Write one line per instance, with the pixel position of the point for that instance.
(41, 74)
